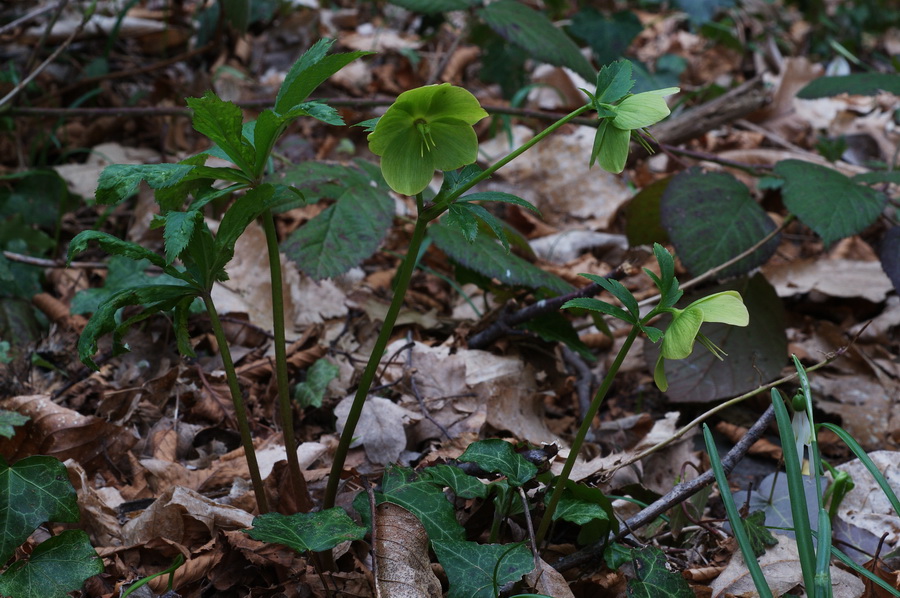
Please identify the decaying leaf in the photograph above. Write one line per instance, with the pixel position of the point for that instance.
(401, 555)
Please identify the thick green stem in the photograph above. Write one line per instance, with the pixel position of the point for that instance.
(547, 519)
(239, 410)
(439, 207)
(298, 482)
(402, 282)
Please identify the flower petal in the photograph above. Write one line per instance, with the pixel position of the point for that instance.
(613, 148)
(448, 101)
(643, 109)
(681, 333)
(726, 307)
(455, 143)
(396, 121)
(659, 374)
(406, 165)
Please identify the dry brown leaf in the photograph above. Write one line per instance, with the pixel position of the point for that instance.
(548, 581)
(401, 555)
(381, 427)
(97, 516)
(834, 278)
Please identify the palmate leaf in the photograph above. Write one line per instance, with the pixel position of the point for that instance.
(322, 530)
(33, 491)
(471, 567)
(55, 568)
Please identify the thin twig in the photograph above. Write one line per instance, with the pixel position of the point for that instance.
(47, 263)
(676, 495)
(529, 526)
(25, 18)
(415, 390)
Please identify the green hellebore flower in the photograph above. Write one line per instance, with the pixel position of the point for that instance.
(426, 129)
(726, 307)
(634, 112)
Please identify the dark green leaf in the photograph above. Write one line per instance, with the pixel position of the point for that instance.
(711, 218)
(759, 534)
(122, 273)
(322, 530)
(33, 491)
(470, 566)
(871, 178)
(488, 258)
(617, 290)
(703, 11)
(115, 246)
(613, 82)
(10, 419)
(592, 304)
(608, 37)
(309, 72)
(310, 392)
(643, 222)
(154, 299)
(536, 35)
(462, 484)
(319, 111)
(503, 63)
(179, 229)
(343, 234)
(589, 509)
(496, 226)
(222, 122)
(462, 219)
(499, 197)
(828, 202)
(120, 181)
(37, 196)
(425, 500)
(324, 180)
(702, 378)
(615, 555)
(435, 6)
(890, 255)
(55, 568)
(665, 73)
(652, 579)
(554, 327)
(498, 456)
(866, 84)
(180, 324)
(264, 133)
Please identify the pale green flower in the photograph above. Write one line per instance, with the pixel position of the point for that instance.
(426, 129)
(726, 307)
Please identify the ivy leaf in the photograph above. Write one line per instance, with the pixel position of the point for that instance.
(462, 484)
(322, 530)
(55, 568)
(310, 71)
(653, 579)
(33, 491)
(222, 122)
(470, 566)
(535, 34)
(498, 456)
(311, 392)
(9, 420)
(848, 209)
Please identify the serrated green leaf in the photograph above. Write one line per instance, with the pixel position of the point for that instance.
(866, 84)
(120, 181)
(121, 273)
(609, 37)
(322, 530)
(222, 122)
(488, 258)
(115, 246)
(471, 567)
(826, 201)
(498, 456)
(9, 420)
(492, 222)
(613, 82)
(262, 134)
(310, 392)
(178, 231)
(463, 220)
(310, 71)
(153, 298)
(592, 304)
(319, 111)
(423, 499)
(326, 180)
(501, 197)
(711, 218)
(554, 327)
(462, 484)
(33, 491)
(617, 290)
(533, 32)
(342, 235)
(435, 6)
(55, 568)
(180, 324)
(653, 579)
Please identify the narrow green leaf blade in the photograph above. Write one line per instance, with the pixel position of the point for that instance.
(827, 201)
(470, 566)
(867, 84)
(322, 530)
(535, 34)
(435, 6)
(499, 456)
(55, 568)
(178, 231)
(463, 220)
(499, 197)
(597, 305)
(309, 72)
(33, 491)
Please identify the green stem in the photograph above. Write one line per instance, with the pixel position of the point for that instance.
(298, 482)
(560, 485)
(240, 410)
(402, 282)
(439, 207)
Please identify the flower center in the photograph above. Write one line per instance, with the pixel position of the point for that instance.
(425, 132)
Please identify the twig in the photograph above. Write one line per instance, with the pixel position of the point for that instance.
(529, 526)
(584, 379)
(676, 495)
(46, 263)
(25, 18)
(415, 389)
(371, 494)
